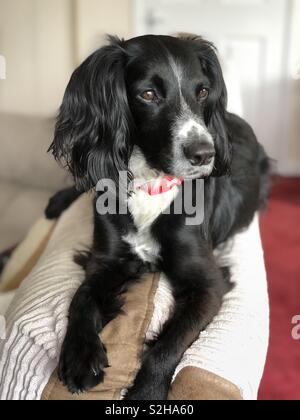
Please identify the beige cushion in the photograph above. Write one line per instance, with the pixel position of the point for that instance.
(37, 321)
(26, 255)
(124, 340)
(20, 207)
(124, 336)
(198, 384)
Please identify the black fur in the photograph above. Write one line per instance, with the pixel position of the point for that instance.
(92, 131)
(60, 202)
(102, 118)
(4, 257)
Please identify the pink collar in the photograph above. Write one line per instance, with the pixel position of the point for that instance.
(165, 184)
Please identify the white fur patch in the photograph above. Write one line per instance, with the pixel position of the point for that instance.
(143, 244)
(189, 126)
(145, 208)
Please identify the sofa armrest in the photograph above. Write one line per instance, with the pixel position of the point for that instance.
(23, 159)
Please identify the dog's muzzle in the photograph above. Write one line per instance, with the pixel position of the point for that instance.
(199, 152)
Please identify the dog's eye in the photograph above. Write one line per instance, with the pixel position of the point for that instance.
(203, 93)
(149, 95)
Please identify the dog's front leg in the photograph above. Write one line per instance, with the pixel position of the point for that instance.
(60, 202)
(83, 356)
(199, 288)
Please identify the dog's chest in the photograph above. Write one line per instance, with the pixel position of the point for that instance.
(145, 209)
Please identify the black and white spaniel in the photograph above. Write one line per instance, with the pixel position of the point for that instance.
(155, 108)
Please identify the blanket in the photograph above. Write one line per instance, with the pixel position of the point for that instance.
(226, 362)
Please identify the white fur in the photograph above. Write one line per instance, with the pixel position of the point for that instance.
(189, 126)
(144, 245)
(182, 129)
(145, 208)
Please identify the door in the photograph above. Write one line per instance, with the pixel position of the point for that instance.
(252, 37)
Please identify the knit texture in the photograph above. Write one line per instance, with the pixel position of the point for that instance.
(233, 347)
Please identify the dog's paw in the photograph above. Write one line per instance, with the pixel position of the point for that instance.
(55, 206)
(3, 261)
(59, 203)
(82, 363)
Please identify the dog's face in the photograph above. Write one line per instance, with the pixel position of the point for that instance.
(168, 93)
(164, 95)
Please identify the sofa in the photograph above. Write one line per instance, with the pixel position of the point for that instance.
(215, 367)
(225, 363)
(28, 175)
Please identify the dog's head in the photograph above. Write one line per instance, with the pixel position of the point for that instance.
(164, 95)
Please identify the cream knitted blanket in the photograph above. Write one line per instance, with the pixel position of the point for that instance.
(233, 347)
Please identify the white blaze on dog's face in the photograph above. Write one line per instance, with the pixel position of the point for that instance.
(173, 96)
(193, 148)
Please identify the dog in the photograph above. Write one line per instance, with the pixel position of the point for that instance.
(153, 107)
(4, 258)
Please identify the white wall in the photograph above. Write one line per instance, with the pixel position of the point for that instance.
(97, 18)
(43, 40)
(35, 38)
(259, 42)
(293, 123)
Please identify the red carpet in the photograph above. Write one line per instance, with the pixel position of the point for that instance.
(281, 239)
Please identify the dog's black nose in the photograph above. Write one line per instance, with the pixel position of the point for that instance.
(199, 154)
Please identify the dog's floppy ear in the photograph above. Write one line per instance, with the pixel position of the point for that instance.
(215, 110)
(93, 126)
